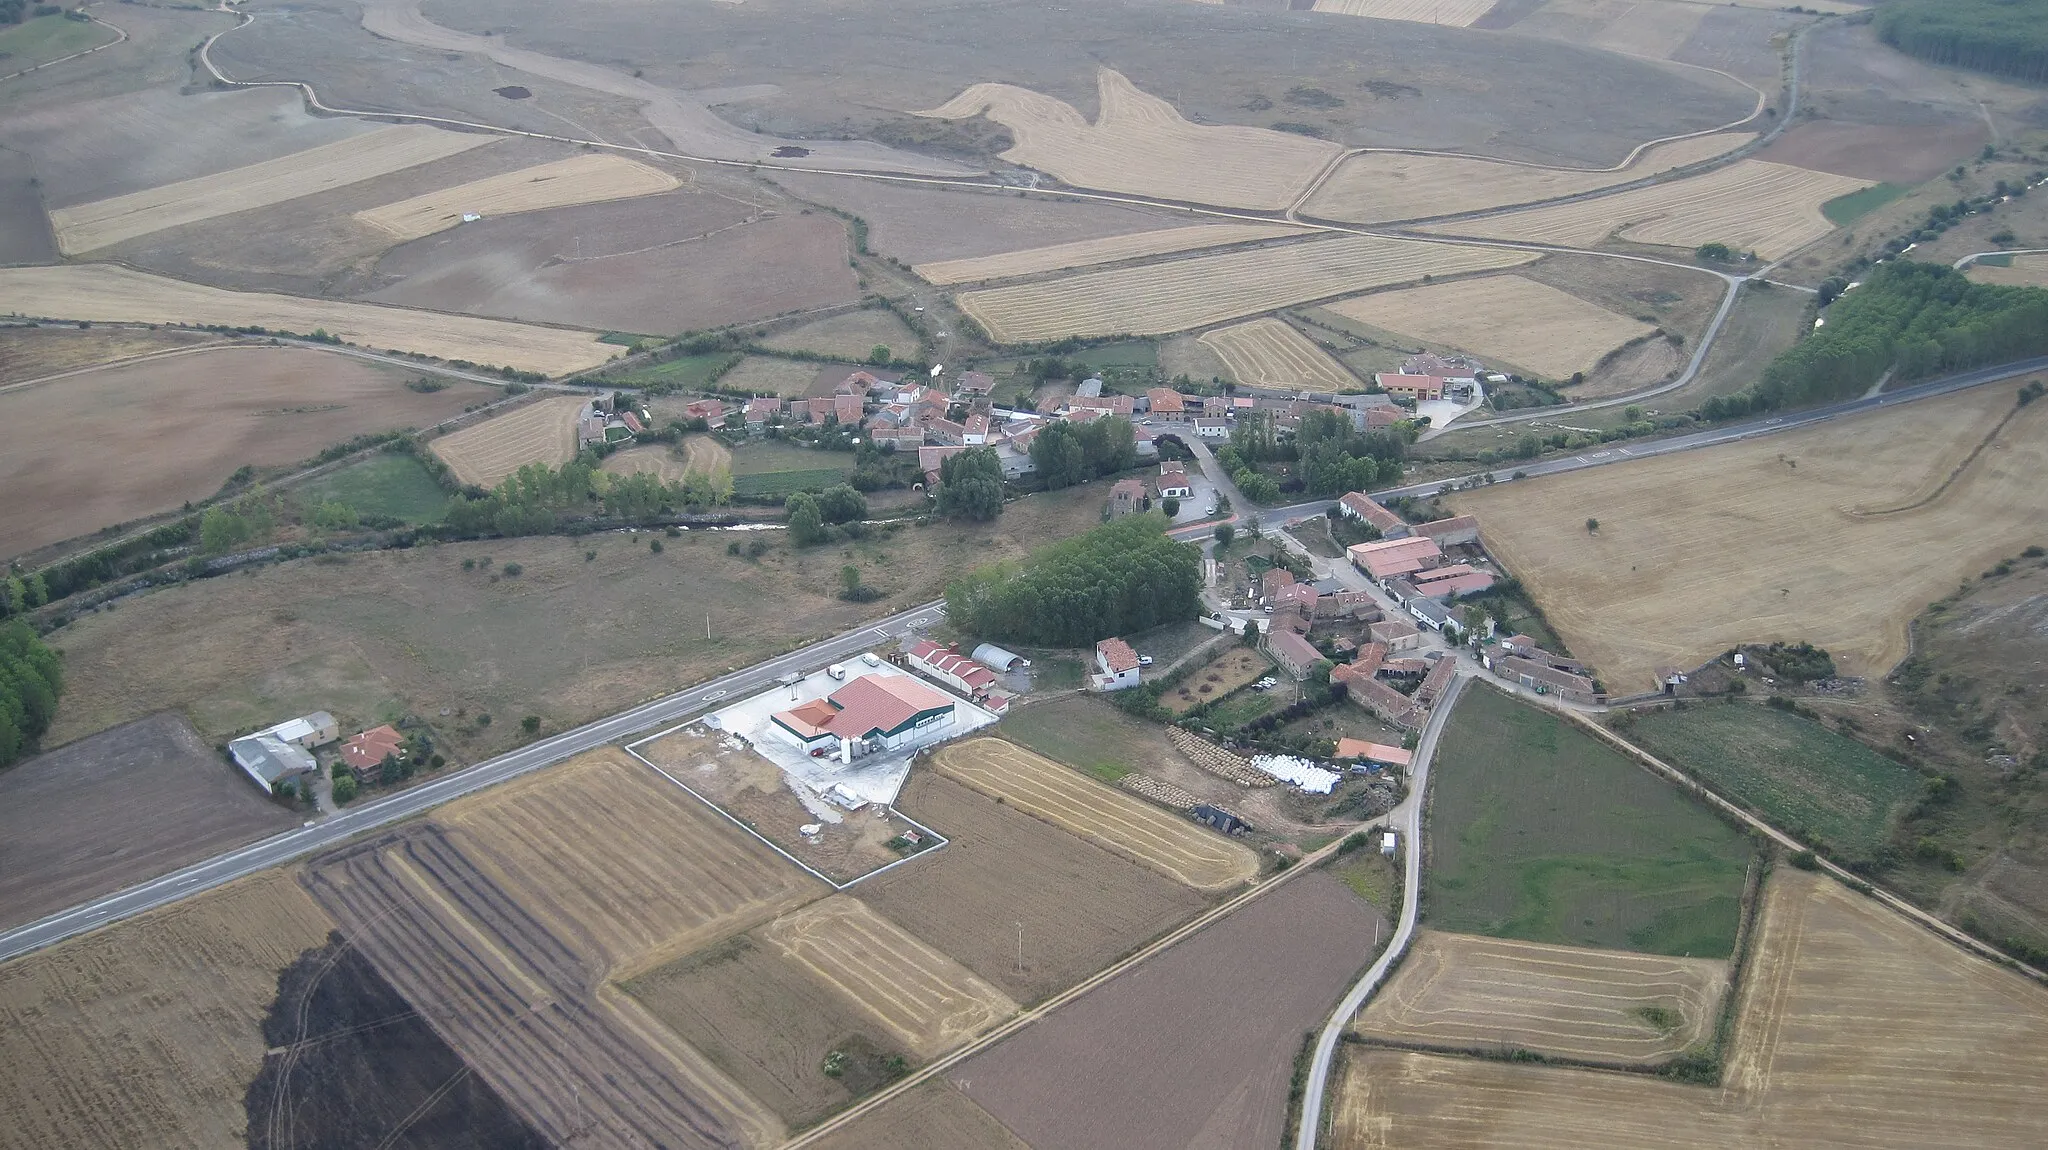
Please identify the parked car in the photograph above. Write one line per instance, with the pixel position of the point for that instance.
(1144, 660)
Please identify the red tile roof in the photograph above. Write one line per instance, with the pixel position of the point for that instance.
(1366, 508)
(947, 661)
(1117, 655)
(867, 705)
(368, 749)
(1166, 401)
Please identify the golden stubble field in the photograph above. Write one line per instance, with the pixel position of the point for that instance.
(1269, 352)
(1464, 992)
(1452, 13)
(1375, 187)
(1531, 325)
(1036, 785)
(87, 227)
(1108, 249)
(486, 453)
(1855, 1028)
(148, 1033)
(589, 178)
(1836, 535)
(109, 294)
(1750, 205)
(1154, 299)
(1141, 145)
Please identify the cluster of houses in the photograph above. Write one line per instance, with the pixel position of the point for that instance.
(1410, 562)
(286, 751)
(1519, 659)
(599, 423)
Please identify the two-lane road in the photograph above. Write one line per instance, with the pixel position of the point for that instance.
(405, 804)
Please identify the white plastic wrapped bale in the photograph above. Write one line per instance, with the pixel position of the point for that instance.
(1299, 772)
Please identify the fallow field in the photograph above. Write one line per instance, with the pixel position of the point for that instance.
(1751, 205)
(1463, 992)
(181, 424)
(1836, 535)
(1269, 352)
(109, 294)
(1077, 906)
(1166, 297)
(2022, 271)
(1082, 253)
(36, 353)
(103, 223)
(1140, 144)
(1177, 848)
(148, 1033)
(589, 178)
(1533, 326)
(852, 335)
(1855, 1028)
(484, 454)
(1376, 187)
(71, 827)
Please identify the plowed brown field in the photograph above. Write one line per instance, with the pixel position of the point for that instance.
(1269, 352)
(1837, 535)
(148, 1033)
(1180, 294)
(1140, 144)
(1081, 253)
(590, 178)
(86, 227)
(1463, 992)
(541, 432)
(1750, 205)
(1856, 1028)
(111, 294)
(1177, 848)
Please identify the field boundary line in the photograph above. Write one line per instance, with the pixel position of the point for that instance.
(120, 37)
(1846, 877)
(127, 361)
(1955, 473)
(807, 868)
(1025, 1017)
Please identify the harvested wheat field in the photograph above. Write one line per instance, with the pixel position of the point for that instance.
(182, 423)
(105, 293)
(928, 1002)
(1464, 992)
(852, 335)
(622, 860)
(1140, 144)
(484, 454)
(1751, 205)
(1080, 907)
(2025, 271)
(1082, 253)
(1836, 535)
(1375, 187)
(1269, 352)
(933, 1115)
(699, 454)
(590, 178)
(103, 223)
(1036, 785)
(147, 1033)
(1159, 298)
(1530, 325)
(1453, 13)
(1856, 1028)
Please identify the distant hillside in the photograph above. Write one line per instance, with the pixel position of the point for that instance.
(2003, 37)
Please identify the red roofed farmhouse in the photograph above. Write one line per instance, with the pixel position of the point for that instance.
(1116, 665)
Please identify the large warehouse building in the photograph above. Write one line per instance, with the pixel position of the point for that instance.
(872, 713)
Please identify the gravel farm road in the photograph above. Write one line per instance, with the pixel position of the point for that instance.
(365, 817)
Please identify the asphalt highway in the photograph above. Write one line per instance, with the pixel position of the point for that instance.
(369, 816)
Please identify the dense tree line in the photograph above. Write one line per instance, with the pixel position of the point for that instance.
(1122, 577)
(1067, 453)
(809, 514)
(1332, 457)
(532, 500)
(971, 485)
(1921, 319)
(2005, 37)
(30, 681)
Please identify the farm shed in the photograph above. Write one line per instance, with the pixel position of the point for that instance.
(1430, 613)
(995, 658)
(315, 730)
(1392, 558)
(265, 758)
(1358, 505)
(1450, 532)
(1216, 818)
(952, 668)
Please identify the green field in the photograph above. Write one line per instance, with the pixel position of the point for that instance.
(1844, 210)
(1539, 832)
(385, 484)
(1086, 734)
(1799, 775)
(1136, 353)
(688, 371)
(1998, 261)
(47, 38)
(771, 468)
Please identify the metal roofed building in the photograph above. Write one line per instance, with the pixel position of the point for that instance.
(265, 758)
